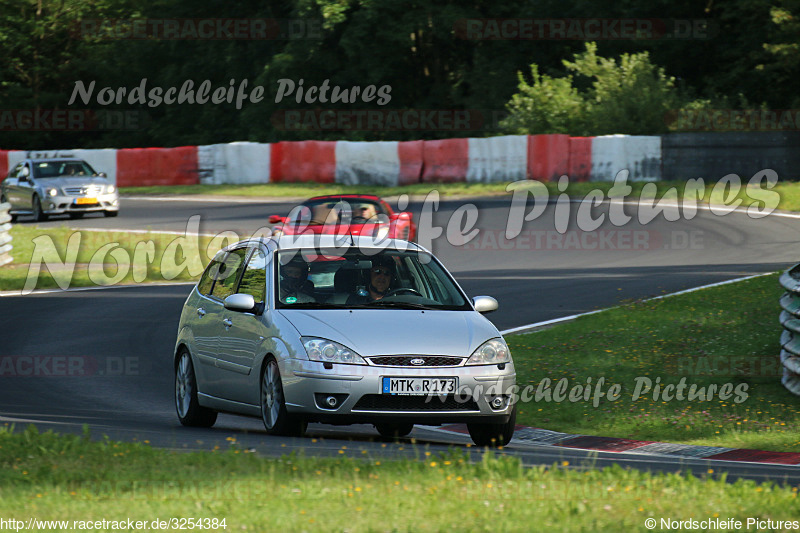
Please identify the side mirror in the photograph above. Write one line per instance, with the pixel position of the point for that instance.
(23, 175)
(275, 219)
(240, 302)
(103, 175)
(484, 304)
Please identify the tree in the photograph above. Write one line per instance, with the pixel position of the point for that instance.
(629, 96)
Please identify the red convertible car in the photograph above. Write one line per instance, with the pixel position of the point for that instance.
(356, 214)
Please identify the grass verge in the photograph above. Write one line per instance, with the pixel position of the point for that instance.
(788, 192)
(709, 338)
(52, 477)
(103, 258)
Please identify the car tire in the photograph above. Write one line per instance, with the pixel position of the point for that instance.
(36, 207)
(110, 213)
(277, 420)
(394, 431)
(190, 412)
(75, 216)
(493, 435)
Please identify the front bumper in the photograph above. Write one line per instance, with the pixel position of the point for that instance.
(357, 389)
(60, 204)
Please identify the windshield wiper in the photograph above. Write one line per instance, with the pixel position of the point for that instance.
(400, 305)
(309, 305)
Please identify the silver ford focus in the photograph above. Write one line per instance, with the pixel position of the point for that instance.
(292, 332)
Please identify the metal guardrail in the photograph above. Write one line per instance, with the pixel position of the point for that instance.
(5, 236)
(790, 320)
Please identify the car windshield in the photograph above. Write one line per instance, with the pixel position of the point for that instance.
(57, 169)
(339, 211)
(388, 280)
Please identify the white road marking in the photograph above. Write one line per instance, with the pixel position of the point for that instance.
(80, 289)
(536, 325)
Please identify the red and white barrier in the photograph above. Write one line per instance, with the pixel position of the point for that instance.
(548, 156)
(580, 158)
(303, 161)
(445, 161)
(640, 155)
(497, 159)
(410, 154)
(492, 159)
(239, 162)
(367, 163)
(138, 167)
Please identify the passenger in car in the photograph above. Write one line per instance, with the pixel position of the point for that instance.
(366, 211)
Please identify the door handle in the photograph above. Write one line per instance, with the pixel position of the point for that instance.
(227, 322)
(201, 312)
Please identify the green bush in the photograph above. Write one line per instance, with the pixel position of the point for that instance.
(630, 95)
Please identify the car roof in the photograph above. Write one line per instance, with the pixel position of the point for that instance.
(298, 242)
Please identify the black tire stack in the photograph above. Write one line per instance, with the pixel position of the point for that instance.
(790, 320)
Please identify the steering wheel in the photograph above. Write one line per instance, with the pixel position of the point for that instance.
(401, 290)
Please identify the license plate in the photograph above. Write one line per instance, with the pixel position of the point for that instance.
(85, 201)
(419, 386)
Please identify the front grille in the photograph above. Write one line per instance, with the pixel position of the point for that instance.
(387, 402)
(405, 360)
(79, 191)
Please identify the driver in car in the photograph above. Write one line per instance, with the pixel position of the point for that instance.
(295, 285)
(381, 276)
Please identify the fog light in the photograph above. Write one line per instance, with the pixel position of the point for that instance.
(497, 403)
(331, 401)
(52, 205)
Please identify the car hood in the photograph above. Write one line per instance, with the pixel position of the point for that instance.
(396, 331)
(65, 181)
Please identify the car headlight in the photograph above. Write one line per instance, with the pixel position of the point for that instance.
(491, 352)
(327, 351)
(110, 189)
(52, 192)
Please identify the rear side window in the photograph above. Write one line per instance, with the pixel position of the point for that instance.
(228, 273)
(207, 279)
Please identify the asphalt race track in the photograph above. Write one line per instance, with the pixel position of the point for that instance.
(120, 340)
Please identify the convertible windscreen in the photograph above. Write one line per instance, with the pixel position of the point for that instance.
(387, 280)
(343, 211)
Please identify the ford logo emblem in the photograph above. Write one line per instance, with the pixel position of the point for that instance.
(417, 362)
